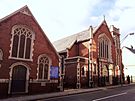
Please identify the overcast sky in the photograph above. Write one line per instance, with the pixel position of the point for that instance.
(61, 18)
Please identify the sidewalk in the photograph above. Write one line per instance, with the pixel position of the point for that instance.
(58, 94)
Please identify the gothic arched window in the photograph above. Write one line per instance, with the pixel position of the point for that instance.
(21, 43)
(43, 67)
(104, 47)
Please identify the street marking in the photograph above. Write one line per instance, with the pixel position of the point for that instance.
(107, 97)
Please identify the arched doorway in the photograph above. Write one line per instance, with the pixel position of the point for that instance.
(111, 73)
(105, 74)
(105, 71)
(18, 79)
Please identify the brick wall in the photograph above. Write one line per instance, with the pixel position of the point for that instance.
(41, 44)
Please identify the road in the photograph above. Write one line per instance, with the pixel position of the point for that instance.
(116, 94)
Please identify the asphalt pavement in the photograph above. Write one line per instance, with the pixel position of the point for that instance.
(123, 93)
(59, 94)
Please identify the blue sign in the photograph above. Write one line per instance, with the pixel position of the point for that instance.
(54, 72)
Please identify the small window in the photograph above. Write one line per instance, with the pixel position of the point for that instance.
(1, 54)
(95, 69)
(83, 71)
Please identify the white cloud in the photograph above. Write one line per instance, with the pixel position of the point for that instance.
(63, 17)
(60, 18)
(125, 3)
(122, 15)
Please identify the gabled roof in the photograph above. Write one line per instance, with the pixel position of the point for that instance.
(25, 10)
(62, 44)
(96, 28)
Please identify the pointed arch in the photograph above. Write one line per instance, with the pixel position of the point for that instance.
(43, 70)
(104, 44)
(22, 42)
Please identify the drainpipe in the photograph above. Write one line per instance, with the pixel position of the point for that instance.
(90, 57)
(60, 75)
(78, 84)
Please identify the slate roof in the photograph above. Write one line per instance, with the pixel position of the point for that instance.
(67, 42)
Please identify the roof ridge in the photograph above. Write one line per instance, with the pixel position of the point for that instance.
(13, 13)
(25, 10)
(76, 34)
(67, 42)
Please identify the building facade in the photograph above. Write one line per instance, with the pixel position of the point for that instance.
(28, 61)
(91, 58)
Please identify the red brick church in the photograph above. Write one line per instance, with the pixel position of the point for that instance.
(91, 57)
(28, 61)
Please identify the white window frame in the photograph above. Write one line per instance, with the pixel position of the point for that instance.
(1, 54)
(49, 64)
(32, 36)
(85, 70)
(107, 55)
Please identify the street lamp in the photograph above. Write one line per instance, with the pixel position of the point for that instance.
(126, 37)
(121, 79)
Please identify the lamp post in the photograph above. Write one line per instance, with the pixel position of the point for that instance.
(126, 37)
(120, 63)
